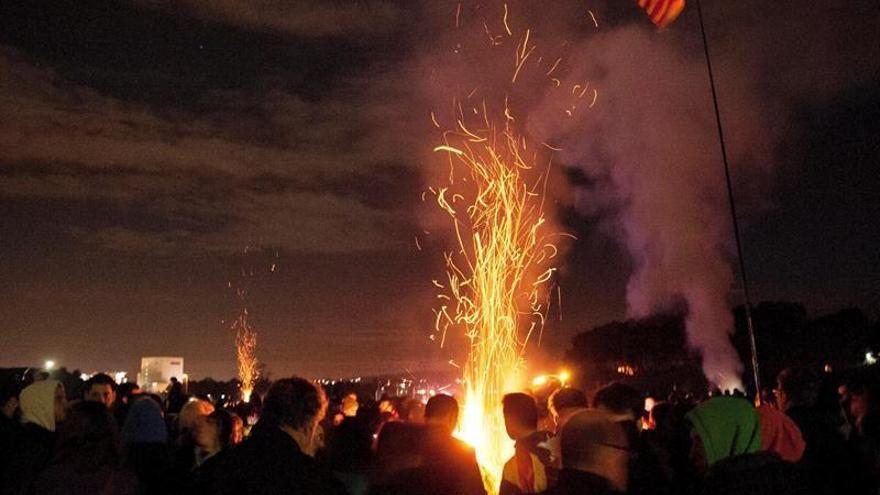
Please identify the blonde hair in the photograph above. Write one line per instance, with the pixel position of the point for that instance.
(191, 413)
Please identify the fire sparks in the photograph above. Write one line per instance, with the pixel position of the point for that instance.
(253, 264)
(494, 277)
(245, 351)
(499, 275)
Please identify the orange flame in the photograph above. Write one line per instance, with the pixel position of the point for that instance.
(495, 276)
(245, 351)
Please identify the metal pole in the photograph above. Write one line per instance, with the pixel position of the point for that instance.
(732, 202)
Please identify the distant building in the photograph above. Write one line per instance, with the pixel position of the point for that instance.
(156, 373)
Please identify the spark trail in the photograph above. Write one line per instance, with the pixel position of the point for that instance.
(497, 275)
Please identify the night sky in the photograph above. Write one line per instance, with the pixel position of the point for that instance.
(144, 145)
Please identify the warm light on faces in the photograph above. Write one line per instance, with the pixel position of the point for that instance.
(101, 392)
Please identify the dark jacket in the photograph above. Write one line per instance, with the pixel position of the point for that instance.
(574, 482)
(25, 453)
(451, 463)
(827, 462)
(151, 464)
(269, 462)
(65, 479)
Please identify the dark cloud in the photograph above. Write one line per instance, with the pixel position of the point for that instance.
(142, 142)
(276, 167)
(310, 18)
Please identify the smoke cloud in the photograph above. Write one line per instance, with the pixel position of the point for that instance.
(649, 148)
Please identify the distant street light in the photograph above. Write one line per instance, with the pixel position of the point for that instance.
(50, 365)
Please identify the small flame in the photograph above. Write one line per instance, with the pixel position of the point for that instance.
(245, 351)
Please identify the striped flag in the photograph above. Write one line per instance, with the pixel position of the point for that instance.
(662, 12)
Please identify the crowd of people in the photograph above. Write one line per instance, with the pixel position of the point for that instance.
(805, 437)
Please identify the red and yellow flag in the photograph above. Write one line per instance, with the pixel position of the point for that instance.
(662, 12)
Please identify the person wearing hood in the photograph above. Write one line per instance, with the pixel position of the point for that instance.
(780, 435)
(723, 427)
(145, 446)
(43, 406)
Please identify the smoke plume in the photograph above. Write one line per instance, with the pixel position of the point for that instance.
(645, 136)
(650, 151)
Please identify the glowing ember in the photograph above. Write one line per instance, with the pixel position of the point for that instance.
(494, 277)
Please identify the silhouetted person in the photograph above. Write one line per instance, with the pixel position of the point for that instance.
(526, 471)
(760, 473)
(175, 398)
(399, 460)
(192, 428)
(126, 393)
(9, 412)
(100, 388)
(864, 408)
(595, 455)
(826, 459)
(350, 453)
(88, 456)
(563, 403)
(9, 409)
(625, 404)
(43, 406)
(146, 448)
(449, 457)
(278, 456)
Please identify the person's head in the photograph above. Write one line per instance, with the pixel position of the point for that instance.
(413, 410)
(592, 441)
(209, 431)
(44, 404)
(863, 394)
(349, 406)
(398, 447)
(100, 388)
(220, 431)
(237, 434)
(442, 410)
(619, 399)
(88, 437)
(192, 418)
(127, 392)
(173, 380)
(796, 387)
(144, 423)
(9, 399)
(566, 400)
(296, 406)
(520, 415)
